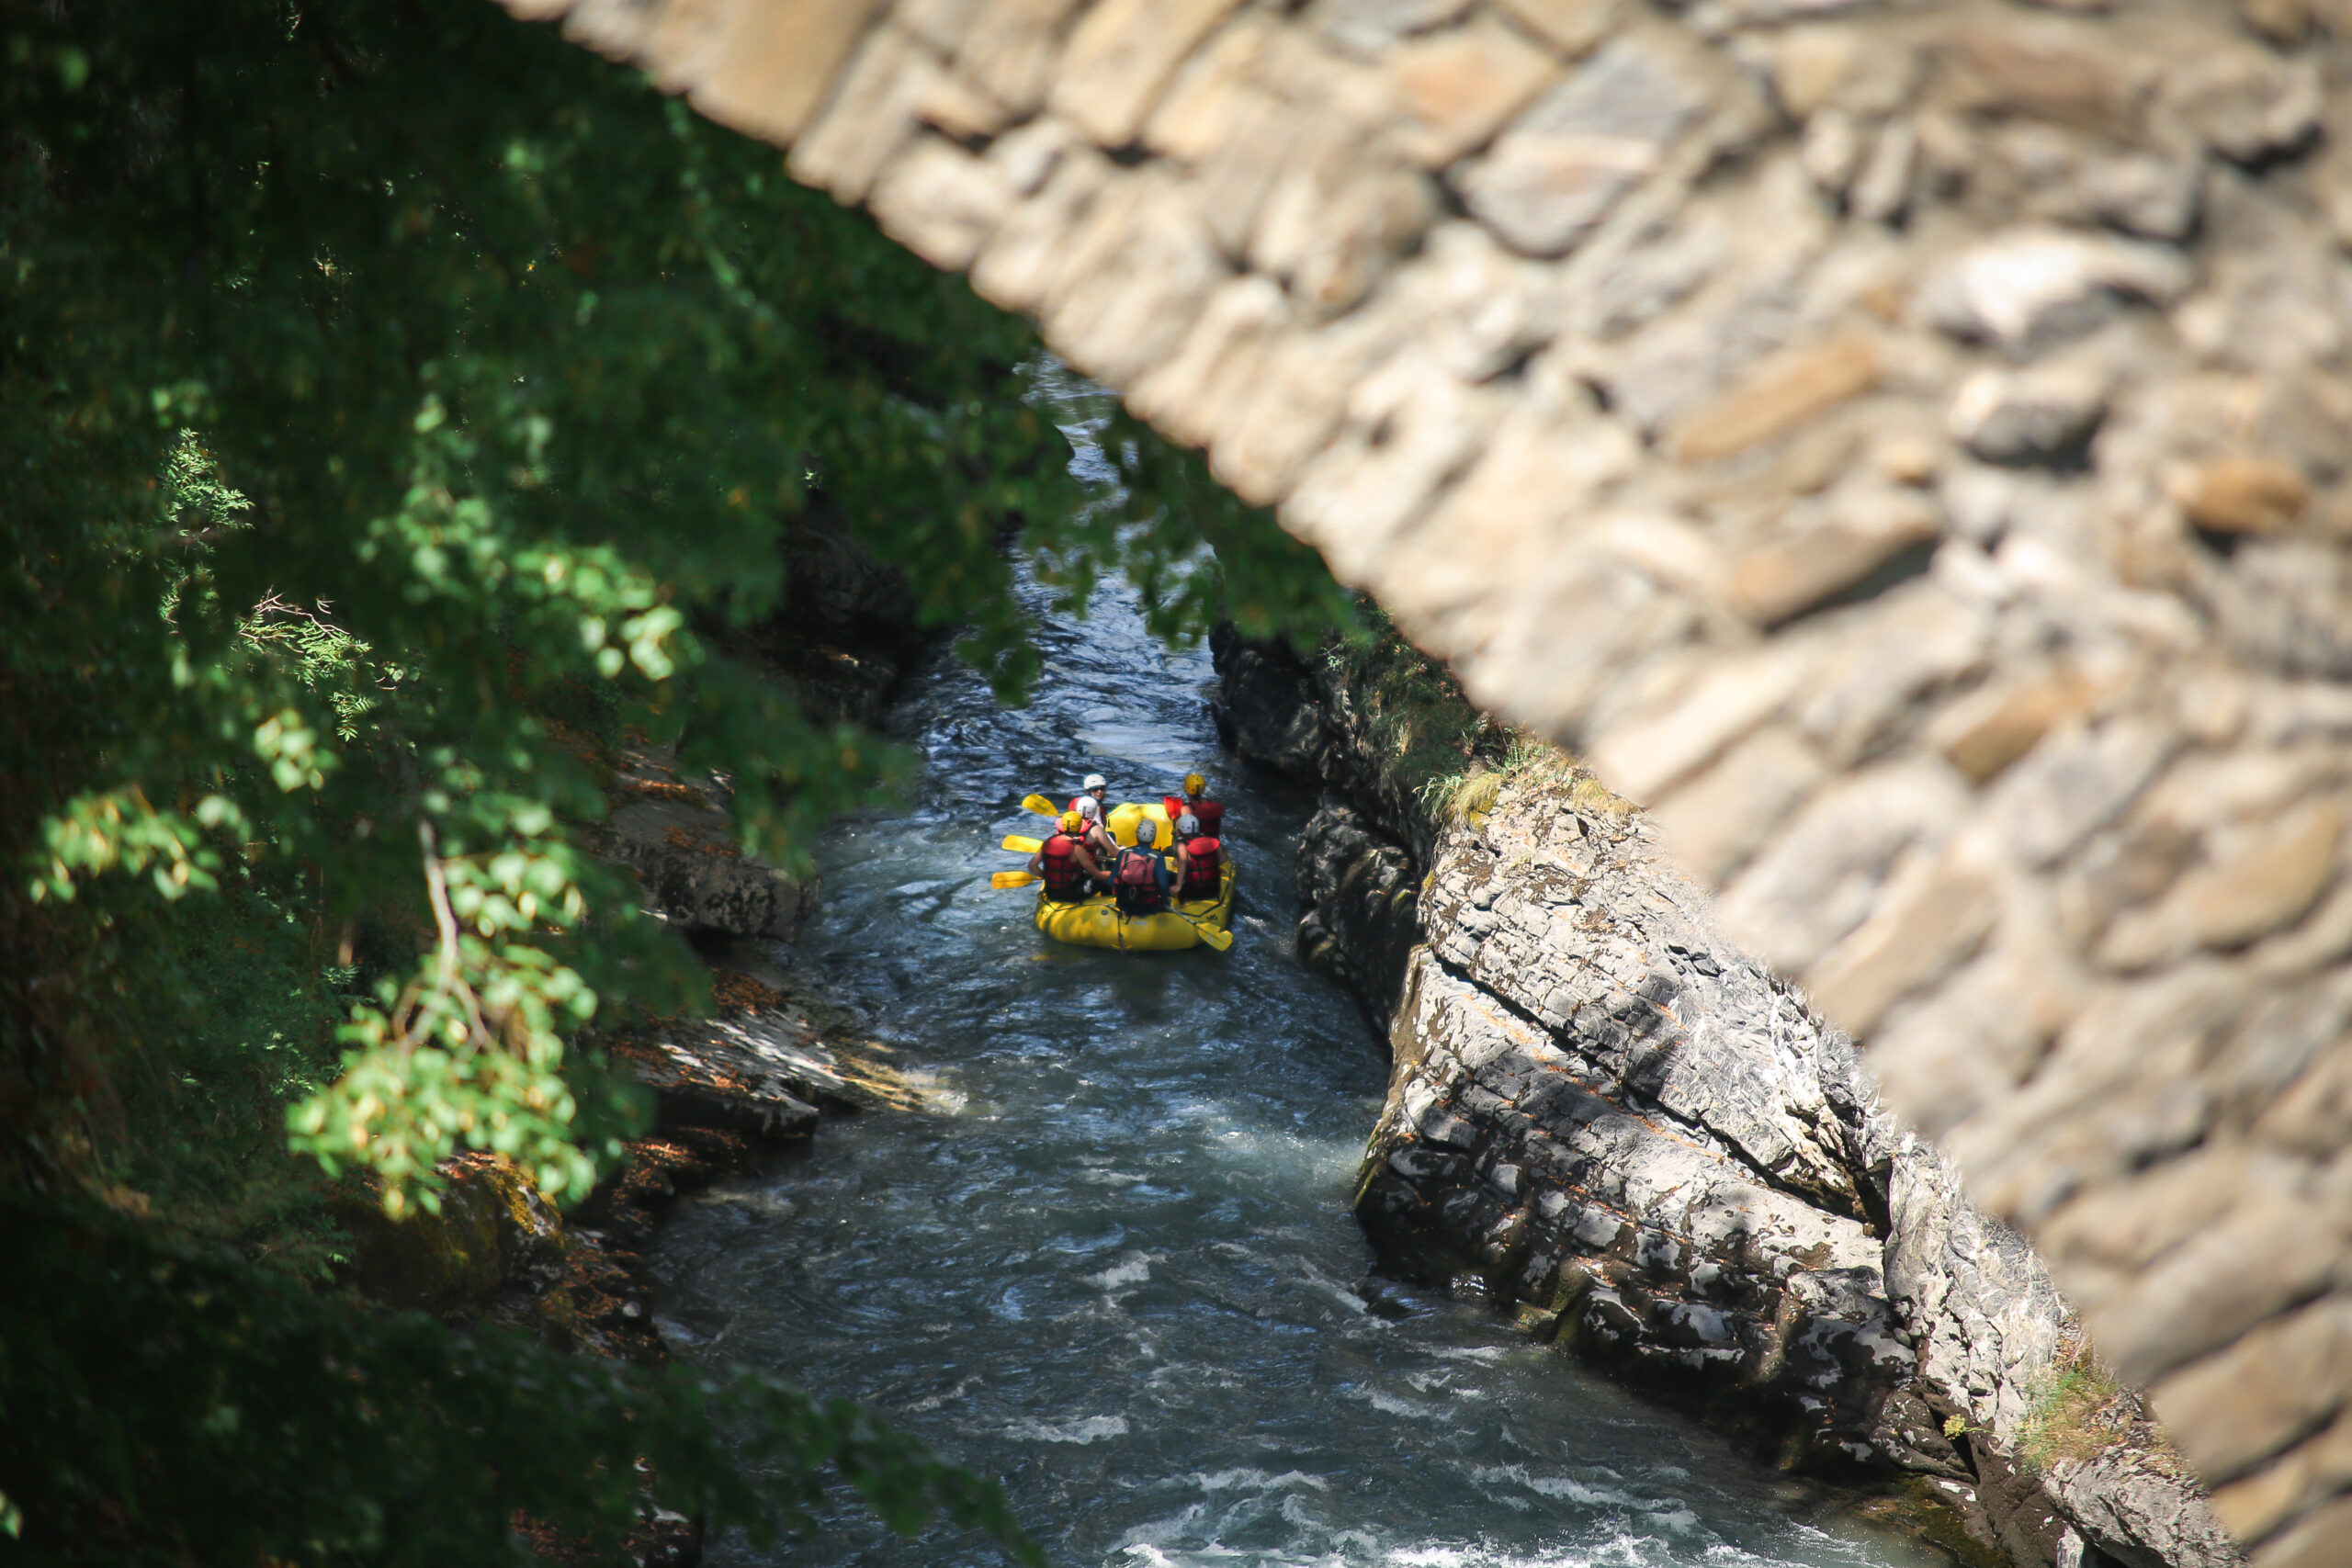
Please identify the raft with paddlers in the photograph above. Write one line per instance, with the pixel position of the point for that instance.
(1097, 919)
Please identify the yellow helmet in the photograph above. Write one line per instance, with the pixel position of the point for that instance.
(1071, 821)
(1194, 783)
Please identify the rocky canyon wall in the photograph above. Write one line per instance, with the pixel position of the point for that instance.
(1633, 1137)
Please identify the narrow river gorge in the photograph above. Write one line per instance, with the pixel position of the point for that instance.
(1121, 1272)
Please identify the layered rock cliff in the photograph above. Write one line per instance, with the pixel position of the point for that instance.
(1632, 1136)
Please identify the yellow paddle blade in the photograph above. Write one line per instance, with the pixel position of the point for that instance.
(1214, 938)
(1019, 879)
(1040, 805)
(1022, 846)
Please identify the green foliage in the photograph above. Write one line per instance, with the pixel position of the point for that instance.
(1426, 735)
(508, 370)
(2079, 1412)
(398, 398)
(135, 1416)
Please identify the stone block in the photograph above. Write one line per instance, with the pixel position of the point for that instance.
(2033, 287)
(1121, 55)
(1947, 1054)
(1644, 759)
(2255, 497)
(1458, 88)
(1009, 49)
(1713, 822)
(2043, 414)
(960, 110)
(1187, 395)
(2075, 783)
(2286, 22)
(1410, 430)
(1820, 877)
(1231, 180)
(1820, 558)
(1929, 922)
(1137, 271)
(1881, 191)
(870, 116)
(1833, 67)
(1831, 152)
(770, 68)
(940, 23)
(1778, 396)
(619, 30)
(1485, 309)
(2296, 1482)
(1572, 28)
(941, 202)
(2315, 1541)
(2256, 880)
(2061, 175)
(1303, 386)
(2273, 1249)
(1564, 163)
(1021, 262)
(1535, 477)
(1995, 726)
(1881, 663)
(2282, 1381)
(1211, 92)
(2246, 103)
(1333, 222)
(2048, 70)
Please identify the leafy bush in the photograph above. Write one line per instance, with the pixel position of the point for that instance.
(2080, 1412)
(394, 394)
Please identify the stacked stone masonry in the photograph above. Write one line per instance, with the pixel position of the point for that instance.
(1903, 444)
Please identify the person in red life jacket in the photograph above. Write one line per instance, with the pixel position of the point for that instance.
(1095, 787)
(1069, 873)
(1096, 833)
(1199, 859)
(1139, 877)
(1210, 812)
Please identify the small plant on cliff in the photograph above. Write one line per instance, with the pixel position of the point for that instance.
(2080, 1410)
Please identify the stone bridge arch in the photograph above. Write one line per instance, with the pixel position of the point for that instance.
(1903, 444)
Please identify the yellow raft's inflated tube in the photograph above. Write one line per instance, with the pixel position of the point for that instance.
(1096, 921)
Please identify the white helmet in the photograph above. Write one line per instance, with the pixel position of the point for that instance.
(1095, 781)
(1147, 831)
(1188, 824)
(1088, 808)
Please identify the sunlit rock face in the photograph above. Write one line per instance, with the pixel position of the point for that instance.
(1901, 446)
(1610, 1121)
(1634, 1135)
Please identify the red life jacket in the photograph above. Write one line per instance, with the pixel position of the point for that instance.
(1137, 883)
(1065, 880)
(1203, 858)
(1210, 812)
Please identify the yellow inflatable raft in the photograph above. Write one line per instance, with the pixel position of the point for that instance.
(1096, 921)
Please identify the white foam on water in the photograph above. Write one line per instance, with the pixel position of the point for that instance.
(1562, 1488)
(1086, 1429)
(1132, 1269)
(1247, 1480)
(1389, 1404)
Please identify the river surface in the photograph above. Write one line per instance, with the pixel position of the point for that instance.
(1121, 1275)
